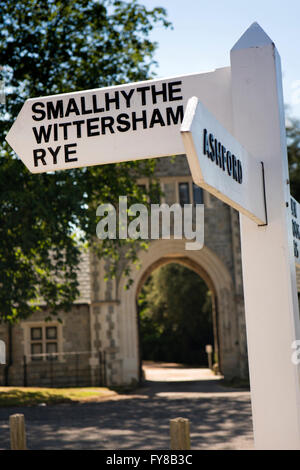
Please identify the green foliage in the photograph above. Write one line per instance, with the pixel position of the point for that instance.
(49, 47)
(293, 142)
(175, 316)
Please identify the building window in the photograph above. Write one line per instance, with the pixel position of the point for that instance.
(43, 342)
(184, 193)
(197, 194)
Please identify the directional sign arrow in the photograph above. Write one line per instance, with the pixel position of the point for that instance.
(220, 165)
(114, 124)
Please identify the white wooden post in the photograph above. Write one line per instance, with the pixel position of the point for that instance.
(272, 313)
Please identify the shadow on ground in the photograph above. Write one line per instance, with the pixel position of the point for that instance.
(220, 418)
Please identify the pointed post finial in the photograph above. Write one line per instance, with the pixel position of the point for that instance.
(254, 36)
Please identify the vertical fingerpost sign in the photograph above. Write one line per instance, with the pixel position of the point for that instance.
(271, 304)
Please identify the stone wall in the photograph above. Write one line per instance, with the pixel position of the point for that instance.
(70, 367)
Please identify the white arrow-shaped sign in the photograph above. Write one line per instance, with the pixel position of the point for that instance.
(220, 165)
(114, 124)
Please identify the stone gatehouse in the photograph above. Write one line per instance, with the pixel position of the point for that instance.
(97, 342)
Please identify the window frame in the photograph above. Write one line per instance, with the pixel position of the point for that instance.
(187, 183)
(195, 186)
(28, 341)
(176, 180)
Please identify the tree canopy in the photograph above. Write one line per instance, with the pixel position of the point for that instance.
(49, 47)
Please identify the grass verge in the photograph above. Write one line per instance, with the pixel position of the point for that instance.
(29, 396)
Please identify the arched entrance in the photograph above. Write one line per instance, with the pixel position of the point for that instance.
(217, 277)
(176, 316)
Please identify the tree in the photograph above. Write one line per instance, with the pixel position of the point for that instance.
(175, 316)
(48, 47)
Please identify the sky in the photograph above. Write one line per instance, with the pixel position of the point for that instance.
(205, 31)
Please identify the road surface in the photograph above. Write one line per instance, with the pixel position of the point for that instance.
(220, 417)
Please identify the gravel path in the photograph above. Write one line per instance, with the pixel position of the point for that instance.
(220, 417)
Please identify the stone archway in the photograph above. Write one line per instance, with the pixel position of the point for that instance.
(213, 271)
(193, 266)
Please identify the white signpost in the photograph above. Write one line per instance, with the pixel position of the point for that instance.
(114, 124)
(238, 113)
(270, 290)
(2, 352)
